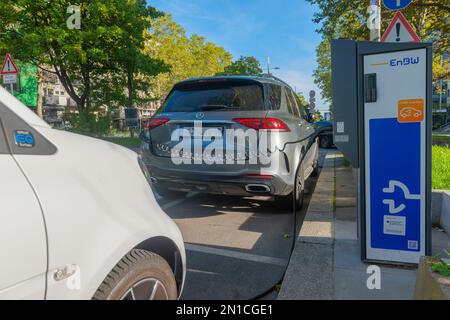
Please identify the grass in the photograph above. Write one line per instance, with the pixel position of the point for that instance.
(127, 142)
(120, 138)
(441, 168)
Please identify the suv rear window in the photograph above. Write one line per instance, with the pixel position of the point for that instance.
(225, 96)
(275, 96)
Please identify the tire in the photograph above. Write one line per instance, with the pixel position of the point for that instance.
(141, 275)
(167, 193)
(325, 141)
(287, 202)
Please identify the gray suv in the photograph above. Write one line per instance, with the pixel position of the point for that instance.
(255, 117)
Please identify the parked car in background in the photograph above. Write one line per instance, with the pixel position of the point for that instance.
(78, 219)
(326, 133)
(236, 103)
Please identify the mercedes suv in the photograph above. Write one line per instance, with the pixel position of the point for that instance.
(237, 135)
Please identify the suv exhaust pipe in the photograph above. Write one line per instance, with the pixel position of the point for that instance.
(257, 188)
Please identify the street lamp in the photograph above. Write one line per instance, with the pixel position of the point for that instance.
(268, 67)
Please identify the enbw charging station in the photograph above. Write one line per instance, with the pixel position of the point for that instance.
(382, 124)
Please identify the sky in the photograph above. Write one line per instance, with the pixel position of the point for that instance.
(280, 29)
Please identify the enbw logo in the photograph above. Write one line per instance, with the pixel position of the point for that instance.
(404, 62)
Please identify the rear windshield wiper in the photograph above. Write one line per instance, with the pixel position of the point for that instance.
(217, 107)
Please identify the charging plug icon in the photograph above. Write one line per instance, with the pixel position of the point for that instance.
(393, 209)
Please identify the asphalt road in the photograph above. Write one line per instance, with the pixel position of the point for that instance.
(237, 248)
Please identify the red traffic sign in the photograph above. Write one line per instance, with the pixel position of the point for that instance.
(9, 67)
(400, 30)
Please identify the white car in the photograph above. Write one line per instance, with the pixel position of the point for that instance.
(78, 219)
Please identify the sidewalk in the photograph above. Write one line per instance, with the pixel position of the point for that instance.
(326, 260)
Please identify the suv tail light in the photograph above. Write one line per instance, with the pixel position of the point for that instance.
(155, 122)
(271, 124)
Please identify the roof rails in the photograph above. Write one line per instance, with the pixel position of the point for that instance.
(271, 76)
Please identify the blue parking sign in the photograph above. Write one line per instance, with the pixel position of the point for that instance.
(396, 4)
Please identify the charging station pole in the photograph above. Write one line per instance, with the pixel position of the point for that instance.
(382, 113)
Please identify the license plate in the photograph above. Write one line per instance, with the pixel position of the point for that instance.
(204, 129)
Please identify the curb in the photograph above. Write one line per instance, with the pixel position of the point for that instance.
(310, 275)
(440, 211)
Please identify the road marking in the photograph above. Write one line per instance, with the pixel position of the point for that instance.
(237, 255)
(177, 202)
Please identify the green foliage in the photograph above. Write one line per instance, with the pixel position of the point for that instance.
(302, 99)
(245, 66)
(88, 123)
(28, 85)
(130, 60)
(440, 266)
(322, 74)
(108, 45)
(441, 168)
(188, 57)
(347, 19)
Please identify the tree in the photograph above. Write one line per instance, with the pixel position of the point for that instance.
(322, 74)
(246, 66)
(130, 57)
(303, 101)
(107, 46)
(188, 57)
(347, 19)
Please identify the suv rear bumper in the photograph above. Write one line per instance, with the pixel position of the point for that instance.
(245, 185)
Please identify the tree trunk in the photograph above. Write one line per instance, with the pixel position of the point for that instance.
(40, 93)
(130, 89)
(130, 95)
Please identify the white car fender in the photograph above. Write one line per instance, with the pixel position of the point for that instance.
(94, 213)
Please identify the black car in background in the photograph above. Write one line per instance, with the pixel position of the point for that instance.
(326, 135)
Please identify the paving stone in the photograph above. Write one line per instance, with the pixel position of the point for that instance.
(345, 230)
(310, 273)
(346, 214)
